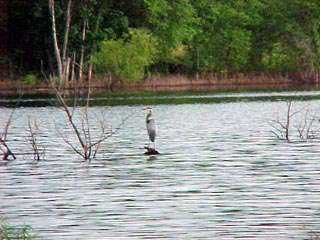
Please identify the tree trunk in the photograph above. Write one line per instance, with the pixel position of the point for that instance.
(82, 50)
(198, 64)
(55, 40)
(67, 30)
(72, 69)
(67, 71)
(288, 121)
(90, 72)
(95, 45)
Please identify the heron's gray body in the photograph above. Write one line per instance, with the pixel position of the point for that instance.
(151, 127)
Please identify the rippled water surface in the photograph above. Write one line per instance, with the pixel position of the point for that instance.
(221, 174)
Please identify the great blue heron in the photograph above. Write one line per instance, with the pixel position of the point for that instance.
(151, 126)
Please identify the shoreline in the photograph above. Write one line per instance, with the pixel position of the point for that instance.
(167, 83)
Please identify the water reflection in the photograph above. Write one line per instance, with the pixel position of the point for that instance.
(220, 174)
(152, 158)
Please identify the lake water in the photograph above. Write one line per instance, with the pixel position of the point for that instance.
(221, 174)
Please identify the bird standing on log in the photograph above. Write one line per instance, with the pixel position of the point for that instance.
(151, 127)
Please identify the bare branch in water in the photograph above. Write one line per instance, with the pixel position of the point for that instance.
(89, 144)
(281, 129)
(6, 151)
(33, 130)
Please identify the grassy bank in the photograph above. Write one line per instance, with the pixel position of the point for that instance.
(163, 84)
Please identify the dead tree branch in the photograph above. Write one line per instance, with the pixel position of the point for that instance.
(281, 130)
(305, 129)
(89, 145)
(33, 130)
(6, 151)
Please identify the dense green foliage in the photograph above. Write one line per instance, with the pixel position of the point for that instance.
(130, 38)
(126, 58)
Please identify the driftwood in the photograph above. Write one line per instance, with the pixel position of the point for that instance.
(150, 151)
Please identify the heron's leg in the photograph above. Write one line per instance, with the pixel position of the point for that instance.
(154, 145)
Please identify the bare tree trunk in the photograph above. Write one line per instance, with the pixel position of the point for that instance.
(198, 64)
(67, 71)
(90, 72)
(94, 45)
(82, 50)
(67, 30)
(72, 69)
(287, 128)
(55, 40)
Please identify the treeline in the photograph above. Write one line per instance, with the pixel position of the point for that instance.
(131, 39)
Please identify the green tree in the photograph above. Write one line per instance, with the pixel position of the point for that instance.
(288, 37)
(224, 34)
(127, 59)
(173, 23)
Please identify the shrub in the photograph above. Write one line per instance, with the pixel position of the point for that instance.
(30, 79)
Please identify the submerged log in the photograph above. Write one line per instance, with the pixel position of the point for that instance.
(150, 151)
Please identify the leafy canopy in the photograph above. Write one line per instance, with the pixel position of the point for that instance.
(127, 58)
